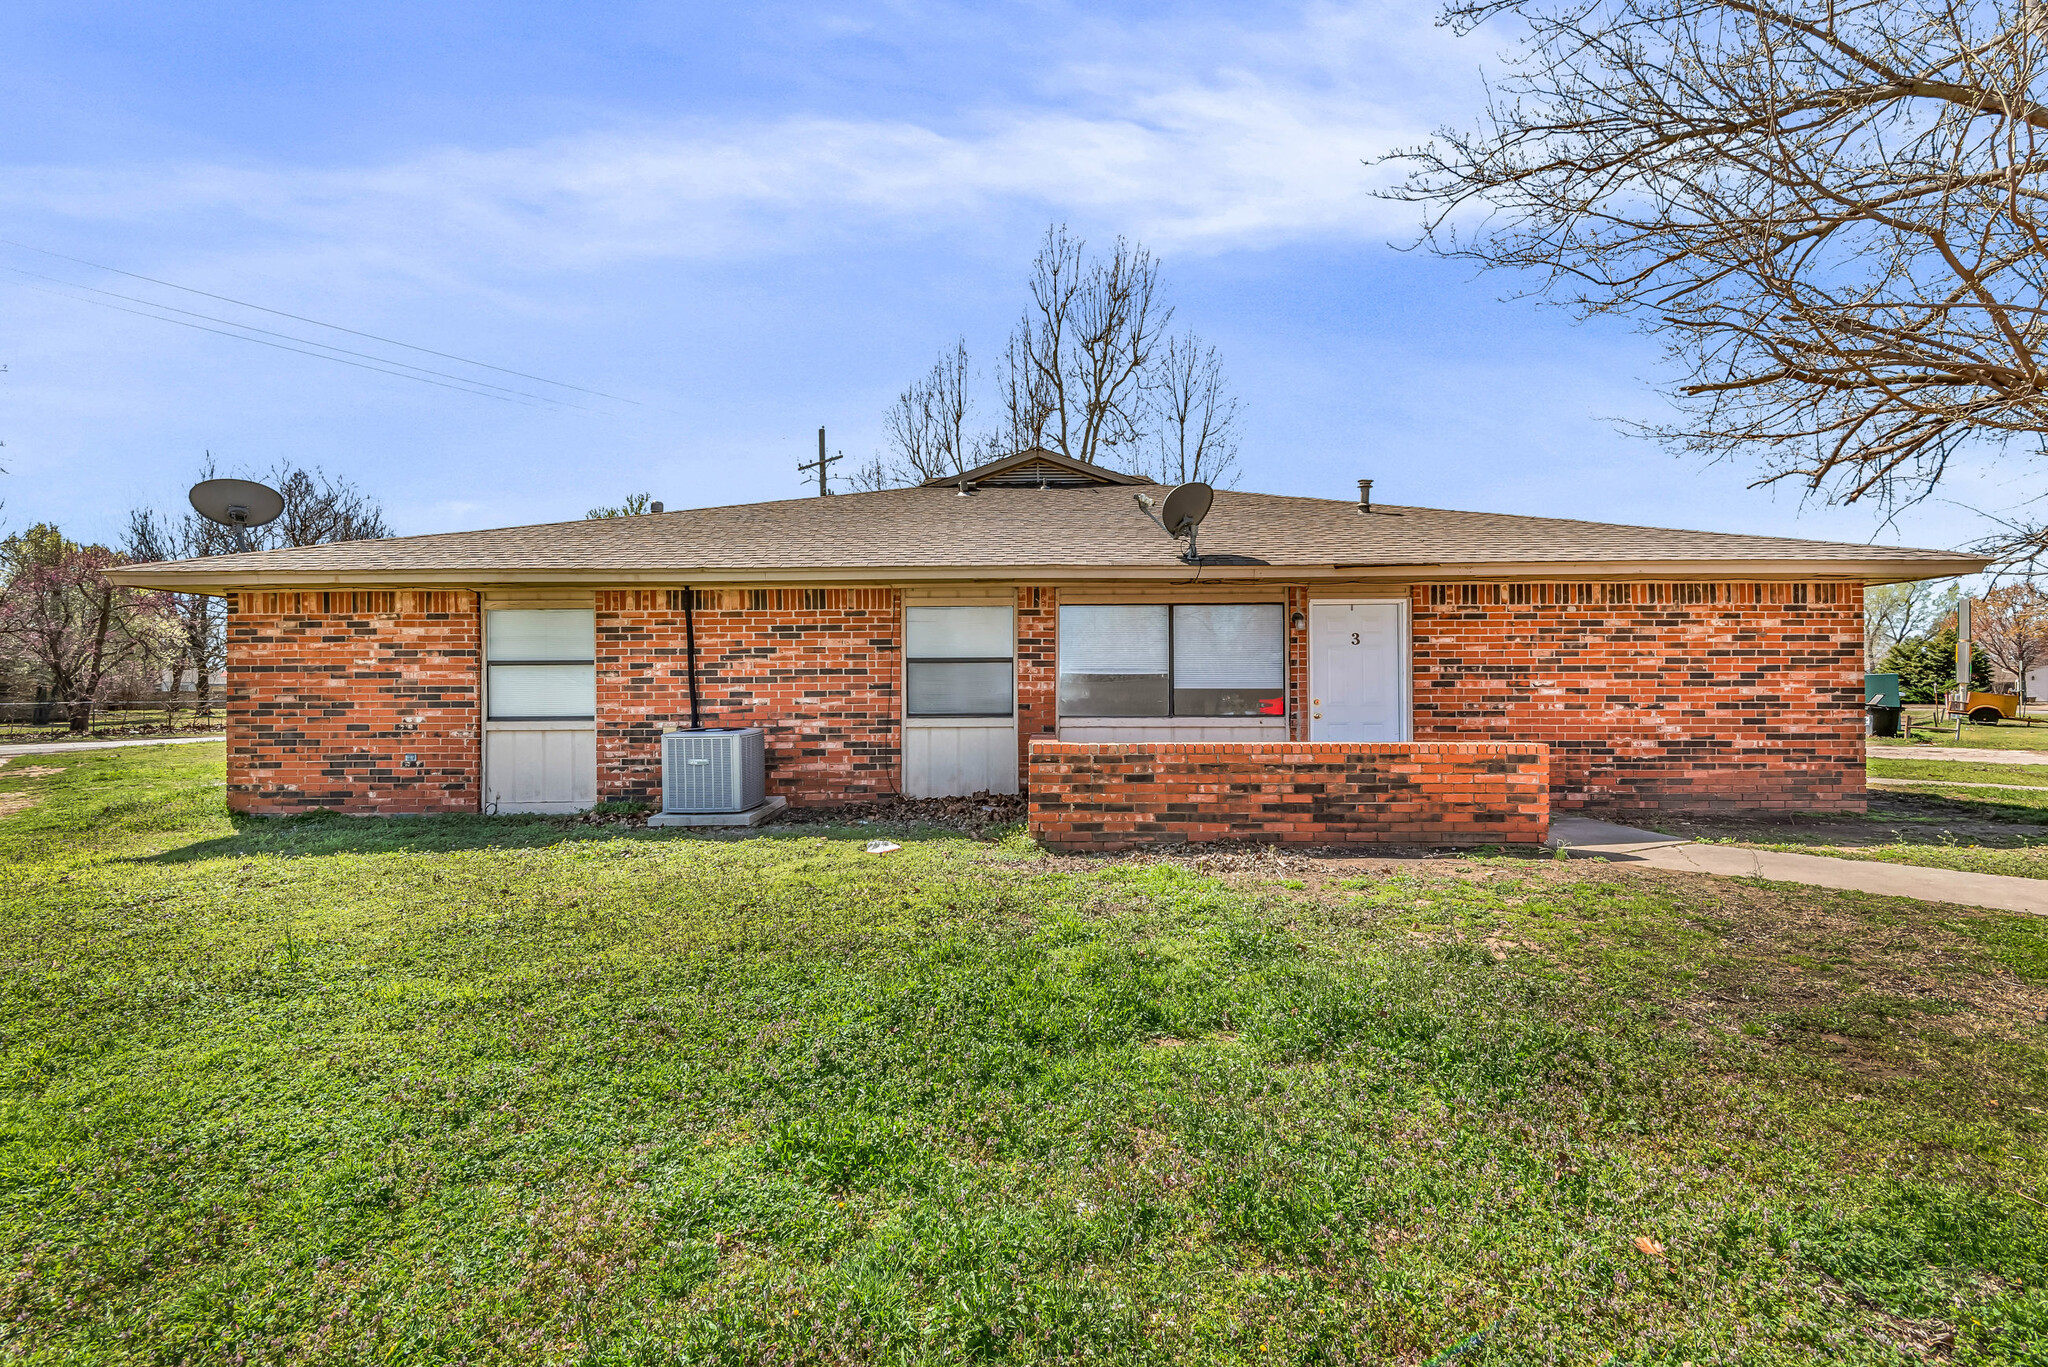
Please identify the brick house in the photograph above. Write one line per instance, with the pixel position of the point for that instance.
(922, 641)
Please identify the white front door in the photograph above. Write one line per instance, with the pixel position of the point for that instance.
(1358, 671)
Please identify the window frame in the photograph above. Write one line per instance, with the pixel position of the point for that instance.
(1286, 699)
(912, 661)
(490, 664)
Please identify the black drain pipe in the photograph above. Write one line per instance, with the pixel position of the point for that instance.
(690, 650)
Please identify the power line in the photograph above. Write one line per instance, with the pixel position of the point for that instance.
(244, 337)
(301, 318)
(307, 341)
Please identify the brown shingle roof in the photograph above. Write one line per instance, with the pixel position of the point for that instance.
(1053, 533)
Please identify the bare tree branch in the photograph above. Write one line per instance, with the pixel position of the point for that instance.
(1831, 213)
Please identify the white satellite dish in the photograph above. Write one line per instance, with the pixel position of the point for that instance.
(1183, 511)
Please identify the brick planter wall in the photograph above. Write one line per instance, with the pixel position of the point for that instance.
(328, 692)
(820, 669)
(1111, 797)
(1655, 696)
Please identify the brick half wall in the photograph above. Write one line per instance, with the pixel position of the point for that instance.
(1115, 796)
(361, 701)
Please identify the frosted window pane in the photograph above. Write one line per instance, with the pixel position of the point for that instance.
(959, 690)
(957, 634)
(1113, 639)
(541, 634)
(1228, 645)
(538, 692)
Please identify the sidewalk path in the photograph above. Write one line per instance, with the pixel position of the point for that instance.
(58, 747)
(1958, 752)
(1649, 849)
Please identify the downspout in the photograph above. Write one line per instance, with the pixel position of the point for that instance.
(690, 651)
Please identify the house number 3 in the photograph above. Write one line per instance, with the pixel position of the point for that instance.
(1354, 638)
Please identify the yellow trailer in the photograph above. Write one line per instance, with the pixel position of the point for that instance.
(1986, 709)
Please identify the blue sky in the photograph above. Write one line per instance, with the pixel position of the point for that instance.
(754, 220)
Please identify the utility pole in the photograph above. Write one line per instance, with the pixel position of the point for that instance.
(822, 465)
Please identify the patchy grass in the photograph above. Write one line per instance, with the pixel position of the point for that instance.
(522, 1090)
(1977, 830)
(1961, 771)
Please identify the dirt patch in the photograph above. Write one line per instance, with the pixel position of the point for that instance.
(1894, 818)
(37, 771)
(975, 815)
(10, 803)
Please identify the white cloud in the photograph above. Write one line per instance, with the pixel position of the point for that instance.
(1190, 157)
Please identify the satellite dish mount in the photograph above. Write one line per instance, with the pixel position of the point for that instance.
(1182, 511)
(238, 504)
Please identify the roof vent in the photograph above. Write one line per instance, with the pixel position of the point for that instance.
(654, 507)
(1365, 496)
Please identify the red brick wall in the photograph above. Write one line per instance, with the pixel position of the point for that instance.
(1673, 697)
(1110, 797)
(329, 692)
(820, 669)
(1038, 679)
(1297, 663)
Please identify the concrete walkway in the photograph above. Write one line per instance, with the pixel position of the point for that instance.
(58, 747)
(1956, 752)
(1648, 849)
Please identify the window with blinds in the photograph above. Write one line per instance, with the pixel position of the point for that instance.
(958, 662)
(1187, 660)
(541, 664)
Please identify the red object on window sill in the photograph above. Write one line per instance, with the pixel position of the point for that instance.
(1272, 707)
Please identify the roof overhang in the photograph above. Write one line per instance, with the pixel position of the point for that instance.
(188, 577)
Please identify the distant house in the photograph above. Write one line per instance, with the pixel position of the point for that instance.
(917, 641)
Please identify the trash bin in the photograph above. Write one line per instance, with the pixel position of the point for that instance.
(1884, 721)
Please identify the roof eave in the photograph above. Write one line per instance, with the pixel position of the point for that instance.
(186, 578)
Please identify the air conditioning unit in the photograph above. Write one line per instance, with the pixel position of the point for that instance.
(718, 769)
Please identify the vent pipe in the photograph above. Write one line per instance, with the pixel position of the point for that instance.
(1365, 496)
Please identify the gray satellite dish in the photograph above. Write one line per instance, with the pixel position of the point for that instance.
(1183, 511)
(237, 502)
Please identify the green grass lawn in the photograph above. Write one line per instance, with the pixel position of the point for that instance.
(1961, 771)
(524, 1091)
(1931, 730)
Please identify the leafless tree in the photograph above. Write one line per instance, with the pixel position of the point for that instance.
(198, 621)
(927, 426)
(1089, 371)
(1832, 214)
(2010, 624)
(318, 509)
(1023, 394)
(1194, 416)
(1088, 341)
(1895, 612)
